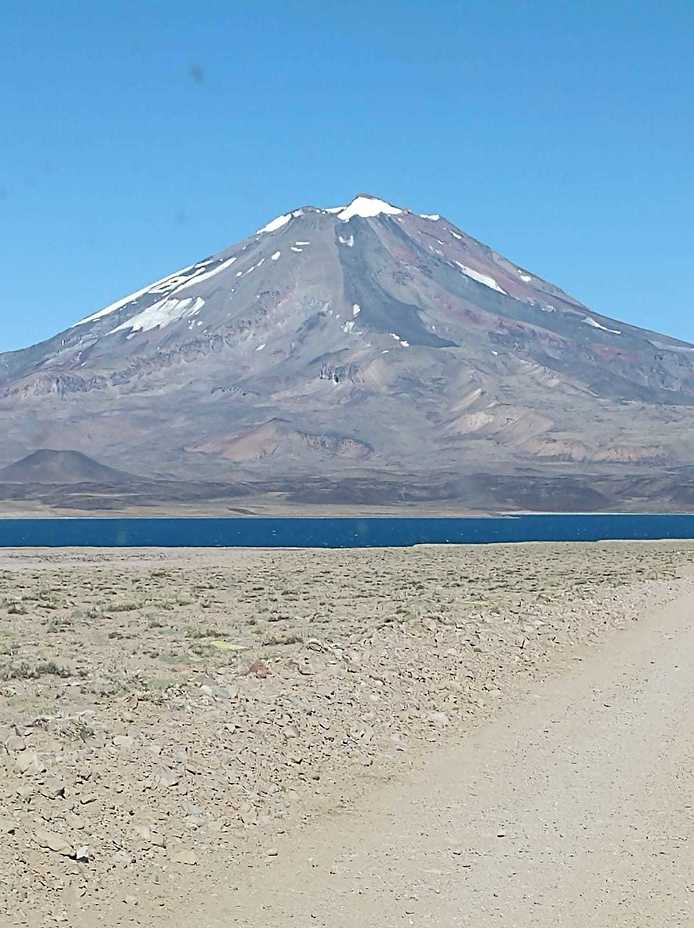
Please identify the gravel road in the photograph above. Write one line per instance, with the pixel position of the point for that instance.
(572, 808)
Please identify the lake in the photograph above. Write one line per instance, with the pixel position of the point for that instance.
(345, 532)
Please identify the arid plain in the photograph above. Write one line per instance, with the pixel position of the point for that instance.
(167, 715)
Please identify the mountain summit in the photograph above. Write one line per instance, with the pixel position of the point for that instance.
(363, 352)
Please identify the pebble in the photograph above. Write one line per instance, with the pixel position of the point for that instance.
(15, 743)
(184, 856)
(53, 789)
(259, 669)
(28, 762)
(167, 778)
(8, 825)
(124, 742)
(151, 836)
(54, 842)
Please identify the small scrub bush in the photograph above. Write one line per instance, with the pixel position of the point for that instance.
(204, 633)
(23, 670)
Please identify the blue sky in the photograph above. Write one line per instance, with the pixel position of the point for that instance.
(138, 137)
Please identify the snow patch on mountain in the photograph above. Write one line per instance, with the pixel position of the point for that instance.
(199, 276)
(485, 279)
(433, 216)
(364, 206)
(161, 314)
(276, 223)
(252, 268)
(596, 325)
(367, 208)
(119, 304)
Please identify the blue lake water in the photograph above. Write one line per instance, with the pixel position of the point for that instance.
(345, 532)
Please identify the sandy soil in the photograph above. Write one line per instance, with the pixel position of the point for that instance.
(170, 719)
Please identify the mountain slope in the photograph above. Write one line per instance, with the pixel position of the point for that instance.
(360, 341)
(61, 467)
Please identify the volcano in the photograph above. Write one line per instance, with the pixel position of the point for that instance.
(358, 354)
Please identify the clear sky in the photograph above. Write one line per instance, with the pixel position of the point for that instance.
(137, 137)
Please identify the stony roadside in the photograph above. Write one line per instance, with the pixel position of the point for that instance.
(162, 711)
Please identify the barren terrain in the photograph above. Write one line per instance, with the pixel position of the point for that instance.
(167, 718)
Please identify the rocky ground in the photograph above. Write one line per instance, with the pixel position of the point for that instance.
(163, 711)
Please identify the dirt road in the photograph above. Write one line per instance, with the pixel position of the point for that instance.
(573, 808)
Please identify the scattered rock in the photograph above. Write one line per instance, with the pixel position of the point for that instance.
(259, 669)
(53, 789)
(150, 836)
(15, 743)
(184, 856)
(8, 825)
(54, 842)
(167, 778)
(124, 742)
(29, 763)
